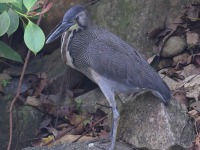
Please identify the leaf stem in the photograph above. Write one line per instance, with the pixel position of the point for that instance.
(19, 13)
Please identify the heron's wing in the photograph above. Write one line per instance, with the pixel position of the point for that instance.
(113, 59)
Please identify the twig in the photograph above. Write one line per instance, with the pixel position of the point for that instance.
(64, 132)
(90, 128)
(20, 83)
(15, 98)
(6, 63)
(187, 81)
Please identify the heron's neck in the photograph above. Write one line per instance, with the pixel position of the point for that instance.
(65, 43)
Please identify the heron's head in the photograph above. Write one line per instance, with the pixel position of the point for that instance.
(75, 18)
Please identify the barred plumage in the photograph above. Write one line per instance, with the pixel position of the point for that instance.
(107, 60)
(114, 59)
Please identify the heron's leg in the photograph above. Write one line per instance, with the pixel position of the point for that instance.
(109, 94)
(115, 125)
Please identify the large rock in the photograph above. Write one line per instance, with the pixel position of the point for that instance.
(133, 19)
(90, 99)
(146, 122)
(25, 123)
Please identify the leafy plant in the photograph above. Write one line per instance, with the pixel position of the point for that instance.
(79, 104)
(11, 12)
(4, 82)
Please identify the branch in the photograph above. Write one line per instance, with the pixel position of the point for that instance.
(20, 83)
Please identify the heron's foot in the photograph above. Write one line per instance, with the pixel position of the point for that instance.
(103, 140)
(102, 143)
(97, 145)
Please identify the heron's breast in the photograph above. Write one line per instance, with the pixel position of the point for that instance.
(65, 53)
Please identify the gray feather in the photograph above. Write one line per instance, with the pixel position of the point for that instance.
(115, 60)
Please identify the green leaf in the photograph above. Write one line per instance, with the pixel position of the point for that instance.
(29, 4)
(5, 82)
(3, 7)
(8, 53)
(34, 37)
(14, 22)
(7, 1)
(18, 4)
(87, 121)
(4, 23)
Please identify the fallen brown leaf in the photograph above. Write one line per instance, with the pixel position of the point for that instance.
(180, 96)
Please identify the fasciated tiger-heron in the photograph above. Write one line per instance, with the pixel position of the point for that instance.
(107, 60)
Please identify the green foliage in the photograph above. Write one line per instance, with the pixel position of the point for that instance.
(5, 82)
(29, 4)
(14, 22)
(4, 23)
(34, 37)
(87, 121)
(8, 1)
(79, 104)
(7, 52)
(11, 11)
(18, 4)
(3, 7)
